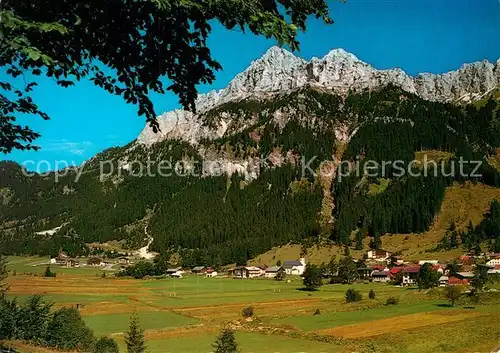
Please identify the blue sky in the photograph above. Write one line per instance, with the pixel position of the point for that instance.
(416, 35)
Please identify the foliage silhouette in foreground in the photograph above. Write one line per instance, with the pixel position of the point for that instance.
(128, 57)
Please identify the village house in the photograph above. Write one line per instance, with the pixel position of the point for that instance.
(396, 260)
(455, 281)
(439, 268)
(247, 272)
(272, 271)
(174, 272)
(72, 263)
(466, 260)
(364, 272)
(443, 281)
(210, 273)
(124, 260)
(465, 275)
(253, 271)
(95, 261)
(494, 271)
(294, 267)
(493, 263)
(432, 262)
(379, 267)
(198, 269)
(380, 276)
(378, 255)
(393, 272)
(61, 259)
(410, 275)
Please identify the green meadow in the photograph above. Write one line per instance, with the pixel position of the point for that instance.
(185, 315)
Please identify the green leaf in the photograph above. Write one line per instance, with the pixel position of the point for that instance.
(33, 53)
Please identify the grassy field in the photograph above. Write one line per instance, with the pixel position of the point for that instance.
(185, 315)
(334, 319)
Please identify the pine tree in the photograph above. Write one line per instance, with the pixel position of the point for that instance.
(134, 338)
(225, 343)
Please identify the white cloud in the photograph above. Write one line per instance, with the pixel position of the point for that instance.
(63, 145)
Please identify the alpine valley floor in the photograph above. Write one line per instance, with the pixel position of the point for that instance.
(185, 315)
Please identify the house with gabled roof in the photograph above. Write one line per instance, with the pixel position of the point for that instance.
(272, 271)
(443, 281)
(455, 281)
(198, 269)
(378, 254)
(410, 275)
(380, 276)
(209, 272)
(246, 272)
(294, 267)
(175, 272)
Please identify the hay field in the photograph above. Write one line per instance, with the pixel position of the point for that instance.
(185, 315)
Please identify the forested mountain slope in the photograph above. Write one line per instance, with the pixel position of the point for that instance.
(249, 178)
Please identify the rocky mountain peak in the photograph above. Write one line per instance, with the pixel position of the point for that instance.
(340, 54)
(339, 71)
(276, 70)
(275, 55)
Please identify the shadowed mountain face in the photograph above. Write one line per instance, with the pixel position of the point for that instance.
(268, 161)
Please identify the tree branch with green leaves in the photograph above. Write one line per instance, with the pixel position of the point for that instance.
(127, 47)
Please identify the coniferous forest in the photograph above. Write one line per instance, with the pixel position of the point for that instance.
(230, 218)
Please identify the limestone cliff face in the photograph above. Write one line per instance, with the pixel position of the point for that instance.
(279, 71)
